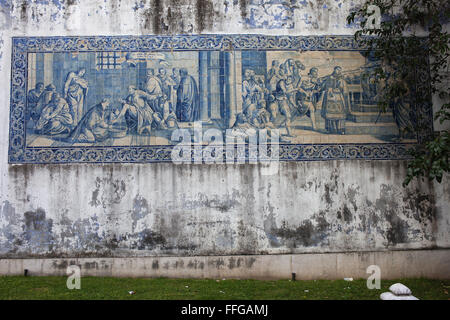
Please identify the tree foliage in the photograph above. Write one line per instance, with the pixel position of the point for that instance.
(412, 33)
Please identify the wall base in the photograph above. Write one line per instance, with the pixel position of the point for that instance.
(393, 264)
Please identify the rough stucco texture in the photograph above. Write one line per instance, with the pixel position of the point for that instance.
(165, 209)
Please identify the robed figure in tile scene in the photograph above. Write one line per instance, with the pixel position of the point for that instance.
(75, 91)
(335, 106)
(403, 112)
(55, 117)
(252, 93)
(138, 113)
(153, 87)
(188, 107)
(93, 127)
(44, 99)
(33, 98)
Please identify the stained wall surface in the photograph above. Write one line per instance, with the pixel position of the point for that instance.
(163, 209)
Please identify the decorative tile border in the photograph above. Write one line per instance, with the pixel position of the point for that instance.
(20, 153)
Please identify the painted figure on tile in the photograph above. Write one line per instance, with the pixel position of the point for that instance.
(287, 67)
(369, 86)
(272, 105)
(175, 77)
(137, 112)
(298, 67)
(153, 87)
(188, 106)
(44, 99)
(259, 117)
(241, 126)
(273, 76)
(33, 99)
(403, 112)
(153, 84)
(166, 82)
(165, 113)
(310, 88)
(252, 93)
(285, 96)
(335, 107)
(93, 127)
(56, 117)
(75, 91)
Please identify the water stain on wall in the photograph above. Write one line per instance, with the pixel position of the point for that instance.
(310, 232)
(108, 191)
(38, 231)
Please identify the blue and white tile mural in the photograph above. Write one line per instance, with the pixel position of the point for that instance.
(271, 14)
(119, 99)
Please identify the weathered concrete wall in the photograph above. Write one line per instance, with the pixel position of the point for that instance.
(393, 265)
(91, 17)
(163, 209)
(132, 210)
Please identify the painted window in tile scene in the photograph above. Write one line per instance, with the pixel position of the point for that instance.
(108, 60)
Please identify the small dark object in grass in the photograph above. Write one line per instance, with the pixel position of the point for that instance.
(293, 276)
(25, 272)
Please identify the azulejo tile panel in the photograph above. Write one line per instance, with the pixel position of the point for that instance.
(126, 98)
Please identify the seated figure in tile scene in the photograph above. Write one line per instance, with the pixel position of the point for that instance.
(93, 127)
(138, 113)
(56, 117)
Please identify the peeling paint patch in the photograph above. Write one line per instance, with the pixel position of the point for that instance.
(147, 240)
(81, 234)
(38, 231)
(215, 202)
(107, 191)
(10, 222)
(140, 210)
(306, 233)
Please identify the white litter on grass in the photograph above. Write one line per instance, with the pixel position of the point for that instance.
(306, 290)
(131, 292)
(398, 292)
(186, 286)
(348, 279)
(400, 289)
(391, 296)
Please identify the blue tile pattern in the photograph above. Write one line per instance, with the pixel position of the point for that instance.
(271, 14)
(199, 53)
